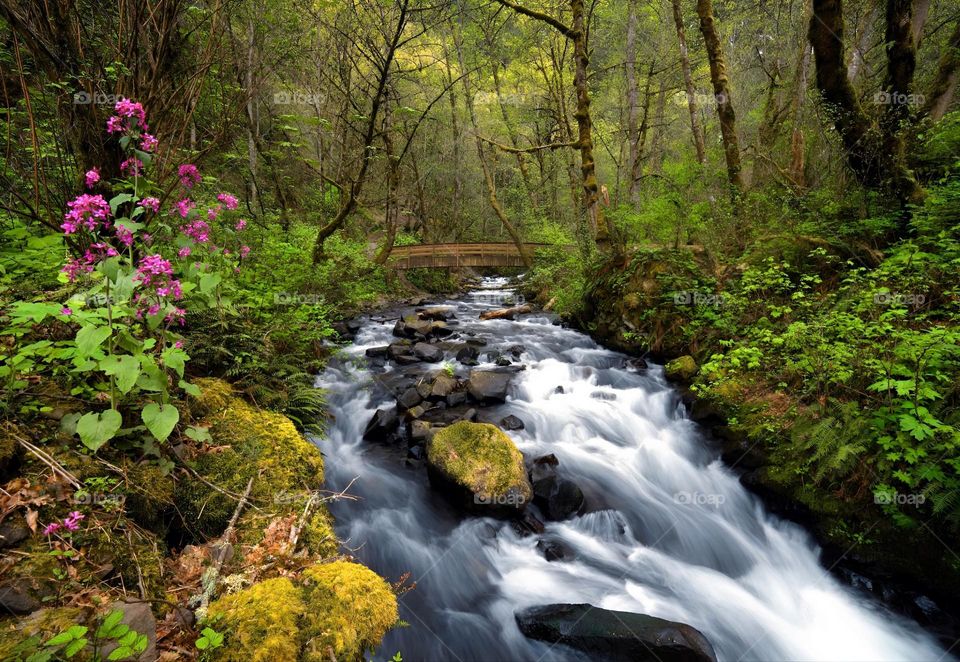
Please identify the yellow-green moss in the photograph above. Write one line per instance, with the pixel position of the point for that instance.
(480, 457)
(149, 495)
(349, 608)
(137, 559)
(260, 443)
(260, 622)
(44, 623)
(318, 536)
(683, 369)
(215, 395)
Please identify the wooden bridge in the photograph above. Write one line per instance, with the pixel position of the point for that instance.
(420, 256)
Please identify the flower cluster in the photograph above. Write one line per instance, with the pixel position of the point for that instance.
(70, 523)
(91, 177)
(130, 116)
(87, 211)
(189, 175)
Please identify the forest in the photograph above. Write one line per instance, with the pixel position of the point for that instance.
(479, 330)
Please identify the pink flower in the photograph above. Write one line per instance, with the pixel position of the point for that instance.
(150, 203)
(132, 167)
(92, 177)
(72, 522)
(115, 125)
(124, 236)
(178, 344)
(189, 175)
(147, 238)
(184, 206)
(244, 251)
(153, 265)
(198, 230)
(213, 212)
(85, 210)
(184, 252)
(153, 309)
(176, 315)
(228, 200)
(66, 311)
(133, 111)
(241, 224)
(148, 143)
(51, 528)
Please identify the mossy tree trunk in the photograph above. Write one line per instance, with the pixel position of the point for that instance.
(699, 143)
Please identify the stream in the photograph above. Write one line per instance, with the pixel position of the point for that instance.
(669, 530)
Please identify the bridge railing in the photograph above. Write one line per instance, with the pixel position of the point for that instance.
(461, 254)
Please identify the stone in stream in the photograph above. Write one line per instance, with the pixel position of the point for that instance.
(411, 327)
(427, 352)
(456, 398)
(559, 390)
(486, 386)
(617, 636)
(399, 349)
(511, 423)
(557, 497)
(442, 387)
(407, 359)
(436, 313)
(503, 361)
(468, 355)
(377, 352)
(478, 467)
(603, 395)
(381, 426)
(515, 350)
(553, 550)
(409, 399)
(637, 363)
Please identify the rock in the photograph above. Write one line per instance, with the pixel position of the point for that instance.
(442, 387)
(411, 327)
(682, 369)
(342, 330)
(456, 398)
(416, 453)
(427, 352)
(377, 352)
(637, 363)
(12, 533)
(618, 636)
(486, 386)
(415, 412)
(137, 616)
(409, 399)
(436, 313)
(515, 350)
(511, 423)
(528, 524)
(560, 390)
(557, 497)
(480, 468)
(399, 349)
(407, 359)
(420, 431)
(16, 597)
(354, 325)
(381, 426)
(553, 551)
(469, 415)
(468, 355)
(503, 361)
(476, 342)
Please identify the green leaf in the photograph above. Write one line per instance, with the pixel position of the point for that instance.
(120, 652)
(125, 368)
(97, 429)
(118, 200)
(208, 282)
(175, 358)
(90, 338)
(75, 647)
(111, 620)
(190, 389)
(198, 433)
(160, 419)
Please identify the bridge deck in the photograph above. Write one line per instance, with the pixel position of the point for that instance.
(459, 255)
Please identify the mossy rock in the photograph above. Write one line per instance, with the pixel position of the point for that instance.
(150, 496)
(137, 559)
(682, 369)
(43, 624)
(480, 466)
(349, 610)
(9, 452)
(260, 444)
(260, 622)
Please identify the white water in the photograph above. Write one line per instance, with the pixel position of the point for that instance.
(670, 531)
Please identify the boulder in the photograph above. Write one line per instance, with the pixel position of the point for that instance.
(427, 352)
(456, 398)
(557, 497)
(511, 423)
(12, 533)
(420, 431)
(342, 329)
(377, 352)
(409, 399)
(553, 550)
(442, 387)
(682, 369)
(381, 426)
(399, 349)
(486, 386)
(637, 363)
(468, 355)
(17, 597)
(617, 636)
(478, 466)
(515, 350)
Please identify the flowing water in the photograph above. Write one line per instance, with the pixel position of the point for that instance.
(669, 531)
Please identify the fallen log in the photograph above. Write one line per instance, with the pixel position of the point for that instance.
(506, 313)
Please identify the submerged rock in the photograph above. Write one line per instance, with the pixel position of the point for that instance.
(615, 635)
(479, 467)
(557, 497)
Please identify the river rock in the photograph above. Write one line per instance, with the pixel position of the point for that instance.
(420, 431)
(503, 361)
(637, 363)
(682, 369)
(409, 399)
(399, 349)
(487, 386)
(442, 387)
(16, 597)
(377, 352)
(456, 398)
(553, 550)
(381, 426)
(515, 350)
(557, 497)
(617, 636)
(436, 313)
(468, 355)
(427, 352)
(511, 423)
(478, 467)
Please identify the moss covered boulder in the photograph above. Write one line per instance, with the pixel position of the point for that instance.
(336, 610)
(479, 466)
(682, 369)
(250, 443)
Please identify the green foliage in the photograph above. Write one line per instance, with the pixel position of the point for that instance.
(125, 643)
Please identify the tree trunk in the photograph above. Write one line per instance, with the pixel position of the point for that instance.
(633, 101)
(252, 120)
(391, 212)
(858, 60)
(515, 142)
(699, 142)
(721, 89)
(941, 92)
(901, 64)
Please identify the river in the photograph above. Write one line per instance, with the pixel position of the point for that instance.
(669, 530)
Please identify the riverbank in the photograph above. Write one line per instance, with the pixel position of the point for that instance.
(783, 357)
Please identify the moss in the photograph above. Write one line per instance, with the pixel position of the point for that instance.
(260, 622)
(682, 369)
(215, 395)
(137, 559)
(349, 610)
(318, 536)
(480, 457)
(260, 444)
(44, 624)
(149, 496)
(8, 451)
